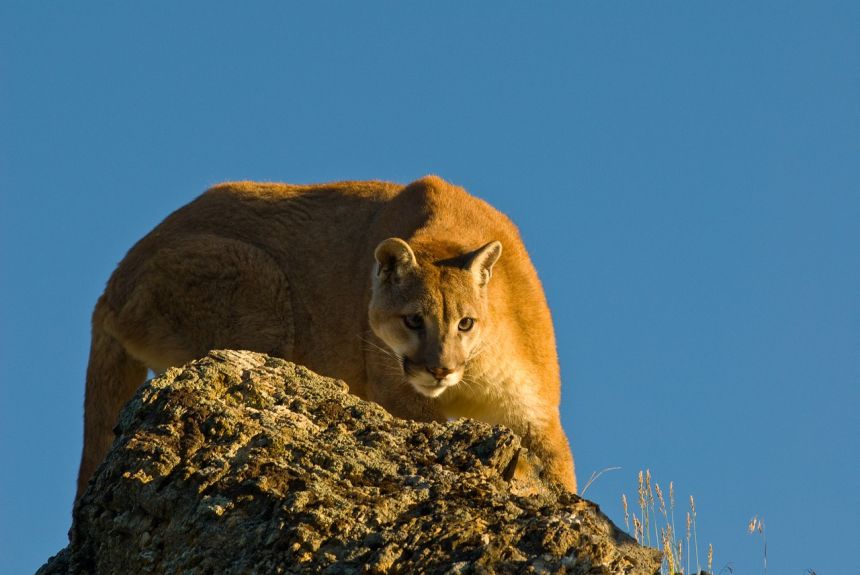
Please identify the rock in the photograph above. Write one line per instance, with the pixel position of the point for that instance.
(244, 463)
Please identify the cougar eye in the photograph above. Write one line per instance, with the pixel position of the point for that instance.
(466, 324)
(414, 321)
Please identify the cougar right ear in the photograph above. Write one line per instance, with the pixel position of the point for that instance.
(394, 258)
(481, 261)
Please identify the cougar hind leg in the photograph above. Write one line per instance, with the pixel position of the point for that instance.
(112, 377)
(199, 293)
(170, 306)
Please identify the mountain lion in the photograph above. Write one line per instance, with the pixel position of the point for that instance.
(402, 292)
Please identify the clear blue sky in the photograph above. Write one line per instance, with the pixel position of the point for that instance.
(686, 176)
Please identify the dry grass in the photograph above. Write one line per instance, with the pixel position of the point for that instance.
(757, 525)
(654, 526)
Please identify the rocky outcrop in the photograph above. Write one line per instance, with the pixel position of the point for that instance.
(243, 463)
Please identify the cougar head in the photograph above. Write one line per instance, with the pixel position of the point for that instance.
(431, 311)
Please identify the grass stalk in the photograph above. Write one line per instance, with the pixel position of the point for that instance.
(695, 537)
(654, 526)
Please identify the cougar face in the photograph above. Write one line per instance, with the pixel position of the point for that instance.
(430, 314)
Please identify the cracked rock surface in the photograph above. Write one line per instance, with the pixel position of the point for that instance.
(244, 463)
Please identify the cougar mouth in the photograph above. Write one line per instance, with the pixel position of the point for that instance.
(424, 382)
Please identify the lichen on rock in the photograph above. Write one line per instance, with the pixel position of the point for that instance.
(244, 463)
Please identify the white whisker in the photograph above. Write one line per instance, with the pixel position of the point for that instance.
(478, 350)
(378, 347)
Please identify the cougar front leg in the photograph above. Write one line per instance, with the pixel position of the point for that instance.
(550, 445)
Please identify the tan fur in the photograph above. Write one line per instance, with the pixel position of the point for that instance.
(332, 276)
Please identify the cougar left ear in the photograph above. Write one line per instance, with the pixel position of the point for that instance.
(394, 258)
(481, 262)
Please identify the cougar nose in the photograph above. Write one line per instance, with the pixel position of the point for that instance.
(439, 372)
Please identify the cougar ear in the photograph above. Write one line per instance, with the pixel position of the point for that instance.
(394, 258)
(481, 262)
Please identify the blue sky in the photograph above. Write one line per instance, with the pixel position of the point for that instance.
(686, 176)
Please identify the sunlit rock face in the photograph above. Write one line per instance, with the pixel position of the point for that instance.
(244, 463)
